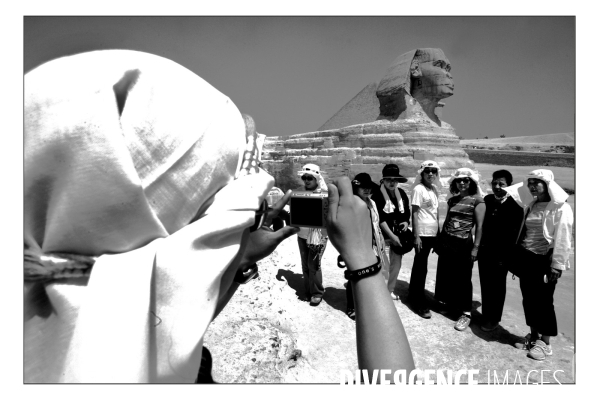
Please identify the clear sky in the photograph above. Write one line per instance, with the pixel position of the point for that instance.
(513, 75)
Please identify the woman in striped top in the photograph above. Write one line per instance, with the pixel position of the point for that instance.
(457, 250)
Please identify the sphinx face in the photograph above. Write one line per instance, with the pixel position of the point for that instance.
(431, 78)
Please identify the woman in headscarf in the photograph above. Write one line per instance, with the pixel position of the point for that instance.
(394, 212)
(312, 241)
(135, 231)
(425, 218)
(363, 186)
(457, 248)
(542, 255)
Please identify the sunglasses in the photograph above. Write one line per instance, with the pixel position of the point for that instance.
(430, 170)
(462, 180)
(260, 216)
(308, 178)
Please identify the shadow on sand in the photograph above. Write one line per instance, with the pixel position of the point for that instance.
(335, 297)
(295, 281)
(500, 334)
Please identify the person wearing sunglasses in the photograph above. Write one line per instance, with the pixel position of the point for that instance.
(312, 241)
(425, 219)
(394, 212)
(456, 248)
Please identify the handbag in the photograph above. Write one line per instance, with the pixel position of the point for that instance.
(406, 240)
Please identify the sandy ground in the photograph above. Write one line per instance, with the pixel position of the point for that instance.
(435, 343)
(267, 335)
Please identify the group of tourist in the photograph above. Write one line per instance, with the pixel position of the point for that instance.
(523, 228)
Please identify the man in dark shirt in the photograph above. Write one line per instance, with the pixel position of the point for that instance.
(503, 217)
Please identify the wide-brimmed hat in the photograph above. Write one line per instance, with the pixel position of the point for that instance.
(392, 171)
(363, 180)
(467, 173)
(437, 184)
(428, 164)
(464, 173)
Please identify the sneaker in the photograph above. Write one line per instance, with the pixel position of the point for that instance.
(489, 326)
(463, 322)
(315, 301)
(424, 313)
(394, 296)
(540, 350)
(527, 344)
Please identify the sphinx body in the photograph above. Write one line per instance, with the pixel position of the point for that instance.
(394, 123)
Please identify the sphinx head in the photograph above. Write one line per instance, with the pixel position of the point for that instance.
(422, 75)
(430, 75)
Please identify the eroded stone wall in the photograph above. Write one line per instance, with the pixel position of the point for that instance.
(364, 148)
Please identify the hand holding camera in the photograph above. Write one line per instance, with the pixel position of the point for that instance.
(349, 225)
(264, 240)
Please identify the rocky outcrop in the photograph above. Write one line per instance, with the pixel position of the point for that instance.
(364, 148)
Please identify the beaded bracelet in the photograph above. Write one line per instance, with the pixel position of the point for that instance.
(363, 273)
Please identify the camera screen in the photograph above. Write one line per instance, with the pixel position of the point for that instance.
(306, 212)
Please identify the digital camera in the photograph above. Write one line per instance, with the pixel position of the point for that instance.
(308, 209)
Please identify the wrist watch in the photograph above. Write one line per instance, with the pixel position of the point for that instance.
(244, 275)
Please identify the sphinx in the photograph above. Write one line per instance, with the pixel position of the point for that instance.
(395, 121)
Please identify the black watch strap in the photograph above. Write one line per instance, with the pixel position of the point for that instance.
(362, 273)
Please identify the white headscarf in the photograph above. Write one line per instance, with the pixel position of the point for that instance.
(467, 173)
(122, 151)
(521, 194)
(315, 171)
(437, 184)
